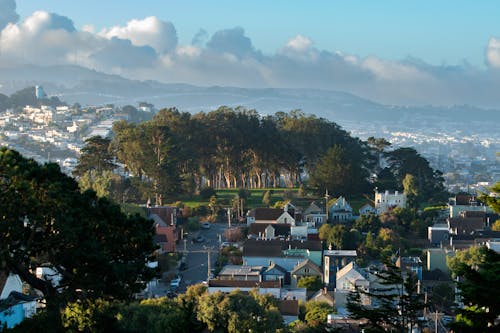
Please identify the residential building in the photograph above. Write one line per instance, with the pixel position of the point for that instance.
(367, 209)
(241, 273)
(14, 305)
(164, 221)
(333, 261)
(304, 269)
(411, 265)
(269, 215)
(314, 214)
(438, 234)
(340, 211)
(348, 279)
(385, 201)
(466, 202)
(286, 254)
(436, 259)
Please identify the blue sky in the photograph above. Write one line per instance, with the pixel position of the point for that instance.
(437, 32)
(392, 52)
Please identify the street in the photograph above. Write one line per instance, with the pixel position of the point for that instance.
(197, 254)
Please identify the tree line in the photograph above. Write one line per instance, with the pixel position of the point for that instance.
(181, 153)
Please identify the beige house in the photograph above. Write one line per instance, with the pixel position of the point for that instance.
(303, 269)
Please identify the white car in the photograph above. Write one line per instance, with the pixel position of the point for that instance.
(175, 283)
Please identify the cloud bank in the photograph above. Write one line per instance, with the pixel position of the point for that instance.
(148, 49)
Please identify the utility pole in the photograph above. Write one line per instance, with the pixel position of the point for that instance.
(436, 321)
(326, 204)
(208, 265)
(229, 217)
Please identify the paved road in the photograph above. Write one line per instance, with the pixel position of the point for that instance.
(197, 254)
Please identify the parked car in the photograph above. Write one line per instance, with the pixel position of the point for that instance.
(225, 244)
(199, 239)
(175, 283)
(205, 225)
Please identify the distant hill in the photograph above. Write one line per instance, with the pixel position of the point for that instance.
(88, 87)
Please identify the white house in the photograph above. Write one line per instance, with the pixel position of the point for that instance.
(314, 214)
(340, 211)
(348, 279)
(385, 201)
(269, 215)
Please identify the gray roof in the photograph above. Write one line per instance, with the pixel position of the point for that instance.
(241, 270)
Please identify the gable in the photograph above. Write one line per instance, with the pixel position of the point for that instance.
(285, 218)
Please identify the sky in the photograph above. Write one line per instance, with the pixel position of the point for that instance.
(395, 52)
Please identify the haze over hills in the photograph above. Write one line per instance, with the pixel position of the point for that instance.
(88, 87)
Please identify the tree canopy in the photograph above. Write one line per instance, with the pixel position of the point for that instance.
(478, 288)
(87, 241)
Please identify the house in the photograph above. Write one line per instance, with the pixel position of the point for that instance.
(466, 202)
(286, 254)
(335, 260)
(466, 223)
(493, 246)
(289, 310)
(263, 287)
(14, 305)
(410, 264)
(164, 221)
(324, 296)
(304, 269)
(299, 232)
(348, 279)
(241, 273)
(269, 230)
(340, 211)
(438, 234)
(385, 201)
(314, 215)
(367, 209)
(275, 273)
(270, 215)
(436, 259)
(227, 286)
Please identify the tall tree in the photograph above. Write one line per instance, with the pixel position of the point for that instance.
(96, 157)
(395, 303)
(95, 249)
(478, 288)
(339, 173)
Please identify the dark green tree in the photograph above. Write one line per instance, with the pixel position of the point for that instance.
(479, 294)
(46, 221)
(338, 172)
(95, 157)
(395, 304)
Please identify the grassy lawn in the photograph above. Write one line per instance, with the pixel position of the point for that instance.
(226, 196)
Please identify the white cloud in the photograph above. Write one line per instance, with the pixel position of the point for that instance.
(148, 49)
(150, 31)
(493, 52)
(299, 43)
(8, 13)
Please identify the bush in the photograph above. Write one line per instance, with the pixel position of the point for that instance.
(193, 224)
(207, 193)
